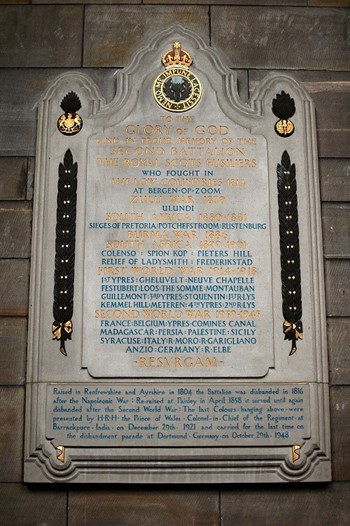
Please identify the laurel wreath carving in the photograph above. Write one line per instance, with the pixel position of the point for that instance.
(62, 326)
(289, 247)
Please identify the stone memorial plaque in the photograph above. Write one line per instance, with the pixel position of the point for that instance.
(177, 325)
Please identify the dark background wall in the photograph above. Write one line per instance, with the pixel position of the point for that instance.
(310, 40)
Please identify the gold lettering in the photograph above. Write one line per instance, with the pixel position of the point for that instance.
(212, 129)
(172, 314)
(127, 216)
(114, 314)
(198, 314)
(175, 362)
(191, 271)
(110, 271)
(120, 181)
(152, 271)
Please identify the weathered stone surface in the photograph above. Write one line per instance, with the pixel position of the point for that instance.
(232, 2)
(45, 36)
(329, 3)
(330, 92)
(127, 24)
(13, 338)
(276, 505)
(254, 37)
(338, 330)
(242, 84)
(340, 418)
(337, 287)
(336, 230)
(19, 96)
(29, 506)
(86, 2)
(149, 508)
(332, 101)
(13, 178)
(11, 433)
(335, 179)
(30, 178)
(15, 228)
(6, 2)
(20, 93)
(14, 282)
(333, 143)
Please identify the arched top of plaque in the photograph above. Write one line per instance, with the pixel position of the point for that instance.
(206, 71)
(209, 79)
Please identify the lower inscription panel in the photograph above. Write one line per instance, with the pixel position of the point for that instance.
(162, 415)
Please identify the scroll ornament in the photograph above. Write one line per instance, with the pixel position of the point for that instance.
(289, 247)
(62, 326)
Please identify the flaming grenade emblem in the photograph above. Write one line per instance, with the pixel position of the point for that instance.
(284, 108)
(70, 123)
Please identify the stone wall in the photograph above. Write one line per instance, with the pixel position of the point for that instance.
(310, 40)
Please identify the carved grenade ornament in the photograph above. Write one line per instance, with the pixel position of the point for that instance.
(284, 108)
(70, 123)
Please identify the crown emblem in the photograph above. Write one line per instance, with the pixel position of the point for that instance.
(177, 88)
(177, 57)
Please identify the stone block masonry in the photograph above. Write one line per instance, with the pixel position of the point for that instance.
(306, 38)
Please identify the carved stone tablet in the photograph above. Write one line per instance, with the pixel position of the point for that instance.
(177, 327)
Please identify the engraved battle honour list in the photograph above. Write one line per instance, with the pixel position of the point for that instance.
(178, 265)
